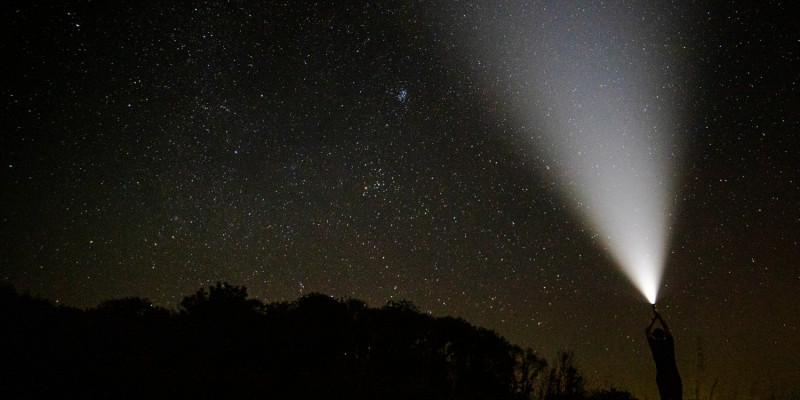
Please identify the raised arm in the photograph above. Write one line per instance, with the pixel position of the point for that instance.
(649, 329)
(664, 324)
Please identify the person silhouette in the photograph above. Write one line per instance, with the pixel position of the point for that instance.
(662, 345)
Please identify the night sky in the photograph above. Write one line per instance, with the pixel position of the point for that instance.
(375, 150)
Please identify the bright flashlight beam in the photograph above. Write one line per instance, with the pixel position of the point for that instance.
(600, 85)
(621, 185)
(611, 127)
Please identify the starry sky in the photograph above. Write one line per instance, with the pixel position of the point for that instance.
(377, 150)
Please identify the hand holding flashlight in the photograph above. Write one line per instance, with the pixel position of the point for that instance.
(656, 314)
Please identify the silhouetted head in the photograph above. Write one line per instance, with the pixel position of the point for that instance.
(658, 333)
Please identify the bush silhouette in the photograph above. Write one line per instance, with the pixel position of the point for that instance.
(220, 343)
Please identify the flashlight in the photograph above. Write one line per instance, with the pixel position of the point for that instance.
(654, 308)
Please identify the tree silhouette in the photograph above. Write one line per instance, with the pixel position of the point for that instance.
(529, 368)
(222, 301)
(612, 394)
(131, 307)
(564, 382)
(220, 343)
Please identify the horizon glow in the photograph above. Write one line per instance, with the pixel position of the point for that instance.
(600, 86)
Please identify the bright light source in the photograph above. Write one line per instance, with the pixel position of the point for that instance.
(600, 87)
(611, 128)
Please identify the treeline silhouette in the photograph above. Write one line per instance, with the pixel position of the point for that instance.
(220, 343)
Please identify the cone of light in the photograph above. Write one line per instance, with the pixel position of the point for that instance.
(622, 189)
(599, 84)
(610, 127)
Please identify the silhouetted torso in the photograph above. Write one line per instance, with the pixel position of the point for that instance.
(669, 382)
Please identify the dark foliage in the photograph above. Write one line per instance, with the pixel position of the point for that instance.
(222, 344)
(612, 394)
(563, 382)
